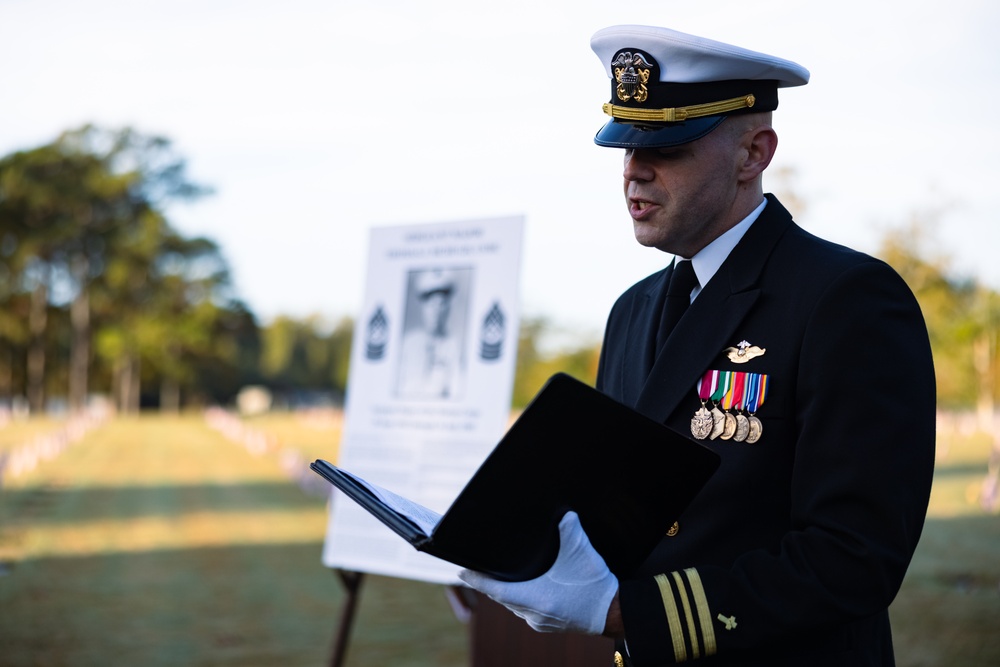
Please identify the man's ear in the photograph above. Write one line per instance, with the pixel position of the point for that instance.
(760, 144)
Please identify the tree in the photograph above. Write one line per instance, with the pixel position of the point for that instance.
(234, 359)
(962, 317)
(142, 175)
(43, 194)
(162, 304)
(340, 353)
(65, 208)
(985, 323)
(306, 354)
(535, 366)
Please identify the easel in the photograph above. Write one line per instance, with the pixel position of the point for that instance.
(352, 582)
(462, 597)
(498, 638)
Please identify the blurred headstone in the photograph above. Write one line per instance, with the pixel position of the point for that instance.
(253, 400)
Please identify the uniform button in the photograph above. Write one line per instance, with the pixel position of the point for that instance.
(674, 529)
(619, 660)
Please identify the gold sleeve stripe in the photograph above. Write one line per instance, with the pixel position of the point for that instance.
(673, 618)
(692, 630)
(704, 614)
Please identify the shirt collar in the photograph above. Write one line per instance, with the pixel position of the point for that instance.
(710, 258)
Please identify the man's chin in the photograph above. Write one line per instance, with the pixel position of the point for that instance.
(647, 237)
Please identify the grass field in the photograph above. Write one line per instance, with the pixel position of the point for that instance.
(158, 541)
(948, 611)
(16, 432)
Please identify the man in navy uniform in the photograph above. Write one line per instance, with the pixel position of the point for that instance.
(430, 359)
(804, 364)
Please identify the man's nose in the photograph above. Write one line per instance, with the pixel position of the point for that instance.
(637, 167)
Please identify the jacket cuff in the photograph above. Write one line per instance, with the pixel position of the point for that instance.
(673, 606)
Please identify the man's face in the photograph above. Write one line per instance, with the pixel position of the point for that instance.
(435, 308)
(682, 198)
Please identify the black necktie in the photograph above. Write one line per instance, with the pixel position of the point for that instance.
(682, 281)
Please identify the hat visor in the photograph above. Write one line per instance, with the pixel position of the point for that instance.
(620, 134)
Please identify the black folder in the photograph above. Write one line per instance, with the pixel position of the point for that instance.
(573, 448)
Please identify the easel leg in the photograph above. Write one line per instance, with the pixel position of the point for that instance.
(352, 582)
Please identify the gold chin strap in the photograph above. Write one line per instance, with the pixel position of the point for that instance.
(676, 114)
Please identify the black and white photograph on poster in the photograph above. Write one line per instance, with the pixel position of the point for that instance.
(430, 382)
(432, 359)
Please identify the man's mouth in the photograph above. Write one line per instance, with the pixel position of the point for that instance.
(639, 206)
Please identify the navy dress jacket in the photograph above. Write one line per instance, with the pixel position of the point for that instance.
(793, 552)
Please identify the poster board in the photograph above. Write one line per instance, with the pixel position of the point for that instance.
(430, 381)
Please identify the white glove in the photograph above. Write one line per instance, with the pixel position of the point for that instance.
(574, 595)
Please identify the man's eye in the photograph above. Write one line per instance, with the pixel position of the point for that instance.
(669, 153)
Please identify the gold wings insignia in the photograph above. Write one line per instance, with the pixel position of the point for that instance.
(744, 352)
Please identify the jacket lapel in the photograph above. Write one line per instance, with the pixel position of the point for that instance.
(708, 326)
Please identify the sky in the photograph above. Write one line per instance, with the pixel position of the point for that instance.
(316, 121)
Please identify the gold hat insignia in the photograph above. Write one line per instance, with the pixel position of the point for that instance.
(632, 72)
(744, 352)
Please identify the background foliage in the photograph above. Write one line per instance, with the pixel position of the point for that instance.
(99, 294)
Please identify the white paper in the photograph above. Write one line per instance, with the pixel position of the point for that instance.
(429, 388)
(425, 519)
